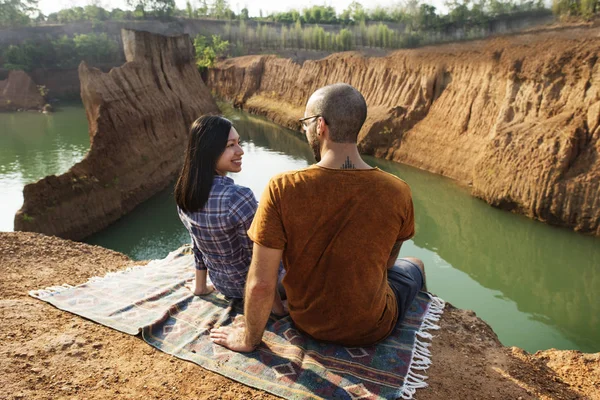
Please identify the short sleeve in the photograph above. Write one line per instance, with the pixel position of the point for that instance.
(242, 207)
(267, 227)
(241, 213)
(407, 230)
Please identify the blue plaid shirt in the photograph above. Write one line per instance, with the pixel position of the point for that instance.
(219, 235)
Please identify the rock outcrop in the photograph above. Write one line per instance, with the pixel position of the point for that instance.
(139, 115)
(19, 92)
(518, 117)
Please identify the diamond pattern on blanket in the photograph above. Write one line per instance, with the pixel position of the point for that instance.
(153, 300)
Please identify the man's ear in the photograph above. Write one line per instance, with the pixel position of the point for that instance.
(322, 127)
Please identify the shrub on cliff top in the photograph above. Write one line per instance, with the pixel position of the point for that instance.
(63, 52)
(209, 49)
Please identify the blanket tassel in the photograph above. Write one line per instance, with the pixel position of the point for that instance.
(421, 357)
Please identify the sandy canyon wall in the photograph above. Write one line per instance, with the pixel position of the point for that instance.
(19, 92)
(517, 117)
(139, 115)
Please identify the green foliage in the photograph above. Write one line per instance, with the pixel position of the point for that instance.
(15, 13)
(576, 8)
(162, 9)
(43, 90)
(95, 48)
(27, 218)
(209, 49)
(63, 52)
(95, 13)
(17, 57)
(220, 10)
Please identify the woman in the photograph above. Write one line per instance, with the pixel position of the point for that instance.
(215, 210)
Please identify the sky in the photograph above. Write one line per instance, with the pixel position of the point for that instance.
(253, 6)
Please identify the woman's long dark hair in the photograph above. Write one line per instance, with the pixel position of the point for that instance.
(207, 141)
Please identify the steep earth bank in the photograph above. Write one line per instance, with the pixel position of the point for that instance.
(139, 115)
(516, 117)
(48, 353)
(19, 92)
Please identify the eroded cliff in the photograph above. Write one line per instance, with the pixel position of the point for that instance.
(139, 115)
(19, 92)
(515, 117)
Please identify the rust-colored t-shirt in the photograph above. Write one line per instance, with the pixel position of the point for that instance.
(337, 229)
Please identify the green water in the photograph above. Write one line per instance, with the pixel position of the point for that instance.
(34, 145)
(536, 285)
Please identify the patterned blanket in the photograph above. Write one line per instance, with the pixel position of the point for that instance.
(153, 300)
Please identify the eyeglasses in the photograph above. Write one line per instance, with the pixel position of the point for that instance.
(305, 124)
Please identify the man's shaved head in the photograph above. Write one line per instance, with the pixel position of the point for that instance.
(343, 108)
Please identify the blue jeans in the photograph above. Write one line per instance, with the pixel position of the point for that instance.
(405, 279)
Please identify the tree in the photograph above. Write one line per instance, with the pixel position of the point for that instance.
(16, 12)
(379, 14)
(120, 15)
(345, 40)
(162, 8)
(459, 11)
(427, 18)
(189, 10)
(356, 12)
(220, 10)
(320, 15)
(208, 50)
(202, 11)
(95, 13)
(139, 7)
(65, 52)
(588, 8)
(584, 8)
(95, 48)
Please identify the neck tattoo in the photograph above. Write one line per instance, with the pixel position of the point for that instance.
(348, 164)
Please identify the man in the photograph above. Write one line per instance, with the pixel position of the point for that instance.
(338, 225)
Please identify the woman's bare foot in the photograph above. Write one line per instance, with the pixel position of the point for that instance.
(202, 291)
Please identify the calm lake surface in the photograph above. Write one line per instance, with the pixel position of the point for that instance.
(536, 285)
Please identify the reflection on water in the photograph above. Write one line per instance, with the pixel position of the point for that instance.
(34, 145)
(540, 281)
(536, 285)
(533, 283)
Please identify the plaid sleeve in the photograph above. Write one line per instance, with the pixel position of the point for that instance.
(197, 255)
(242, 208)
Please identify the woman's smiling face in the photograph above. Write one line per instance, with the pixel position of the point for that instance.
(231, 159)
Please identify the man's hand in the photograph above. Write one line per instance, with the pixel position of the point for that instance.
(233, 337)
